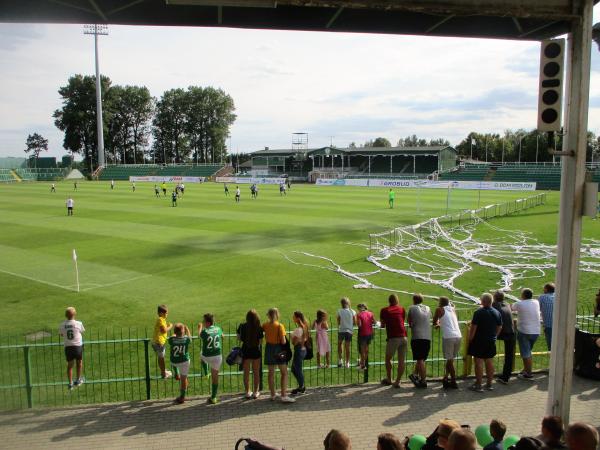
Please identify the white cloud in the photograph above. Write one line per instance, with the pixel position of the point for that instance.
(351, 86)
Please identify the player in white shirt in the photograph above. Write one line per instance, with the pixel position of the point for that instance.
(237, 194)
(112, 184)
(53, 188)
(70, 204)
(71, 330)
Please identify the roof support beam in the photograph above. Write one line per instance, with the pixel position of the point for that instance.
(517, 24)
(334, 17)
(439, 24)
(70, 5)
(126, 6)
(98, 10)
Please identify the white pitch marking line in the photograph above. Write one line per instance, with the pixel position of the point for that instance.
(36, 280)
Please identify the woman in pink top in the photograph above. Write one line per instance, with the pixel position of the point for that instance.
(323, 347)
(365, 320)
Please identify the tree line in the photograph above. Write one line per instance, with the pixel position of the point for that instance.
(182, 124)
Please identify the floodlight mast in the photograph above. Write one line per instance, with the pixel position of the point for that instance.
(97, 30)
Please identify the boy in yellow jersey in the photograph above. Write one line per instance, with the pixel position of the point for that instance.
(159, 338)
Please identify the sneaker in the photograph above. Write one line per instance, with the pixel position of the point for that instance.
(445, 384)
(78, 382)
(287, 399)
(525, 376)
(256, 395)
(476, 388)
(70, 387)
(489, 387)
(340, 363)
(414, 378)
(212, 400)
(453, 385)
(502, 380)
(348, 365)
(179, 400)
(248, 395)
(274, 397)
(396, 384)
(421, 384)
(298, 391)
(167, 374)
(386, 382)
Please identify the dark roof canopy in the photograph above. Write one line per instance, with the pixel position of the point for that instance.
(505, 19)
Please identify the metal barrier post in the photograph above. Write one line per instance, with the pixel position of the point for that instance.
(28, 385)
(147, 366)
(467, 360)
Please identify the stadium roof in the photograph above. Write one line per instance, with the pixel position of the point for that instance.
(355, 151)
(505, 19)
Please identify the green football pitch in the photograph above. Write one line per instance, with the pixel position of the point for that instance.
(210, 254)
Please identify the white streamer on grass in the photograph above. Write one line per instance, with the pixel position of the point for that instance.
(432, 254)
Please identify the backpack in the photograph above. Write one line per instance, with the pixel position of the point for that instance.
(234, 357)
(309, 348)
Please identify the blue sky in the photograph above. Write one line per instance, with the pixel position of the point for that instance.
(337, 87)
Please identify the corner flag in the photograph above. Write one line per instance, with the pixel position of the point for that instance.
(76, 269)
(74, 255)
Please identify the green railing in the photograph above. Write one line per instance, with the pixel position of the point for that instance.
(121, 366)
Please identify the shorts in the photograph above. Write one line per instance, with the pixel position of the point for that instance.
(251, 352)
(420, 348)
(364, 340)
(482, 349)
(451, 347)
(69, 208)
(159, 349)
(526, 343)
(74, 352)
(396, 345)
(271, 352)
(214, 362)
(345, 336)
(183, 368)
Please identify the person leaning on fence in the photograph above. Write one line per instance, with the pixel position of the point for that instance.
(507, 335)
(392, 319)
(321, 327)
(546, 301)
(212, 352)
(528, 329)
(299, 338)
(275, 338)
(365, 321)
(445, 318)
(485, 327)
(419, 319)
(159, 339)
(71, 330)
(346, 319)
(180, 356)
(251, 335)
(581, 436)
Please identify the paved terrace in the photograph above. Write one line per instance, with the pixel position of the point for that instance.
(362, 411)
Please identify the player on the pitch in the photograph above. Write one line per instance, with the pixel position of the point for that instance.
(226, 189)
(253, 190)
(53, 188)
(133, 186)
(74, 185)
(391, 196)
(71, 331)
(156, 191)
(237, 194)
(112, 184)
(163, 186)
(180, 357)
(212, 356)
(282, 189)
(182, 189)
(174, 198)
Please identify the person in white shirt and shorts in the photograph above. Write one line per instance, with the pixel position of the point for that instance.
(71, 330)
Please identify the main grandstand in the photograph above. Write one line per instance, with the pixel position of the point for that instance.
(333, 162)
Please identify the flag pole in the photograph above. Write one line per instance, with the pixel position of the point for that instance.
(76, 269)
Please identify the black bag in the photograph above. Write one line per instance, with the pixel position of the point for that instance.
(309, 348)
(285, 355)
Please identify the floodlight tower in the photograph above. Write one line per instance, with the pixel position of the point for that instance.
(97, 30)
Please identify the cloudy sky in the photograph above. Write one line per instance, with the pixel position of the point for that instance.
(337, 87)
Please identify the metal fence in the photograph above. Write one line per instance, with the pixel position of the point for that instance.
(121, 366)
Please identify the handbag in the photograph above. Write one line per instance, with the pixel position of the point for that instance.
(309, 348)
(285, 355)
(235, 356)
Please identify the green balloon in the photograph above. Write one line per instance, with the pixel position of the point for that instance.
(482, 432)
(510, 440)
(416, 441)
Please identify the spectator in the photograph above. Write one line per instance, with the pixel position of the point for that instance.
(462, 438)
(419, 319)
(71, 331)
(346, 319)
(507, 335)
(597, 305)
(445, 318)
(552, 433)
(299, 338)
(444, 430)
(392, 319)
(546, 301)
(321, 327)
(485, 326)
(159, 339)
(581, 436)
(251, 335)
(275, 338)
(337, 440)
(528, 328)
(497, 430)
(387, 441)
(365, 321)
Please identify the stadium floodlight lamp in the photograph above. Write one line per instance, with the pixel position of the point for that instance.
(226, 3)
(596, 34)
(95, 29)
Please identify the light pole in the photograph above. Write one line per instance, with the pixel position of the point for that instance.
(537, 148)
(97, 30)
(520, 136)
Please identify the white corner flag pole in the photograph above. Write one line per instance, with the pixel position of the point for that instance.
(76, 269)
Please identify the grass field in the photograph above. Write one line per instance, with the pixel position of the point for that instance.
(211, 254)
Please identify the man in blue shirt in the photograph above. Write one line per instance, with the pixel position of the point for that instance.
(546, 308)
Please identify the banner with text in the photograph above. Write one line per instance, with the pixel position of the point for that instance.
(428, 184)
(250, 180)
(169, 179)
